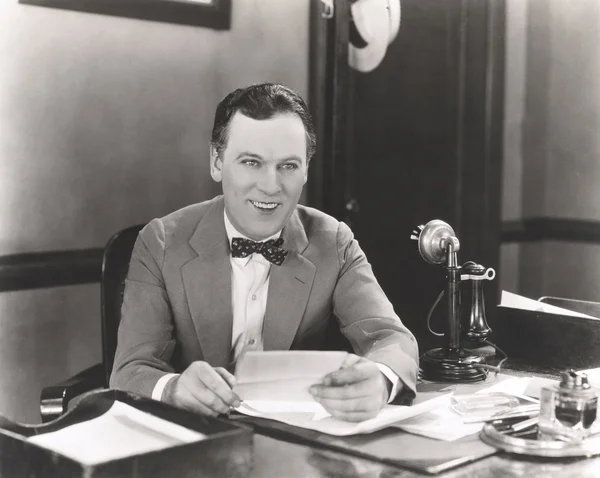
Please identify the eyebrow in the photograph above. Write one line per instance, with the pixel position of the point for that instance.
(247, 154)
(291, 158)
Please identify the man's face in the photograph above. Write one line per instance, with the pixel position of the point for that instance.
(263, 169)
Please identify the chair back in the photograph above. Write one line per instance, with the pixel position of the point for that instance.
(115, 265)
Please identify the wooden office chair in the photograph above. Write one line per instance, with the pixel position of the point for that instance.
(115, 264)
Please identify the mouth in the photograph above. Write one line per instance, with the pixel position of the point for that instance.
(265, 206)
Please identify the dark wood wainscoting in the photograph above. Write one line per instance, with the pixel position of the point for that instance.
(551, 229)
(50, 269)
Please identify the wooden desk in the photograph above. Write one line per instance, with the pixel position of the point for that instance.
(278, 459)
(274, 457)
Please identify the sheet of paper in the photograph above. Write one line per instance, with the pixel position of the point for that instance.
(535, 384)
(283, 410)
(514, 385)
(120, 432)
(313, 416)
(515, 301)
(283, 375)
(443, 423)
(593, 375)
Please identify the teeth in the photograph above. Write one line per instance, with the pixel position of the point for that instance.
(265, 205)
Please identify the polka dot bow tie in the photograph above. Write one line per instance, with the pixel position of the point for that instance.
(270, 249)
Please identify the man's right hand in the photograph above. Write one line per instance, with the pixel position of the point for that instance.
(202, 389)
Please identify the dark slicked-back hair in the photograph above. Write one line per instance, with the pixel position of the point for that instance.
(262, 101)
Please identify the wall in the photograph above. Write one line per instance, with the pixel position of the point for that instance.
(514, 106)
(105, 122)
(552, 146)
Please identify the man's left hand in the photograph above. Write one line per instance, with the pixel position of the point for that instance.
(354, 393)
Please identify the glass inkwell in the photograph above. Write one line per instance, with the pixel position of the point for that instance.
(567, 426)
(569, 409)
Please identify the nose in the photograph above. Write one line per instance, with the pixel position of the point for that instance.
(268, 181)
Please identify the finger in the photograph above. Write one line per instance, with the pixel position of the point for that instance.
(349, 361)
(213, 381)
(208, 388)
(190, 399)
(363, 404)
(194, 405)
(360, 371)
(194, 390)
(225, 375)
(353, 416)
(210, 399)
(343, 392)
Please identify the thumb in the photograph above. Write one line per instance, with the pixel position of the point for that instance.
(350, 361)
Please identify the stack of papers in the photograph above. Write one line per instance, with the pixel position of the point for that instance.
(593, 375)
(315, 417)
(284, 375)
(120, 432)
(515, 301)
(443, 423)
(274, 385)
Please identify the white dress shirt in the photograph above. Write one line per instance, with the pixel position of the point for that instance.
(249, 288)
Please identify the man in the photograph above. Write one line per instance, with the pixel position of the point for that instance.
(199, 294)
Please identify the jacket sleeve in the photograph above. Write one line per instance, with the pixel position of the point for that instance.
(367, 317)
(145, 342)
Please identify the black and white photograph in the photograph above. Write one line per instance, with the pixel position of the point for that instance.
(299, 238)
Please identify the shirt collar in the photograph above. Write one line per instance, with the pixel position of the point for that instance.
(233, 232)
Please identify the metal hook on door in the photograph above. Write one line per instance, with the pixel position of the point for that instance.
(328, 9)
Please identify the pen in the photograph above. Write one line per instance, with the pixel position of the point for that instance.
(524, 425)
(516, 427)
(521, 411)
(511, 419)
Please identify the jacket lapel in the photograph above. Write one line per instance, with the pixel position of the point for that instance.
(289, 289)
(207, 282)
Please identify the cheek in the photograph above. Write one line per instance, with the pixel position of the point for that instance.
(294, 185)
(234, 184)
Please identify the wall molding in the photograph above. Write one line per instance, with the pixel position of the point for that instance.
(50, 269)
(551, 229)
(38, 270)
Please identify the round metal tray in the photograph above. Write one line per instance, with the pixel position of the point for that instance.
(537, 447)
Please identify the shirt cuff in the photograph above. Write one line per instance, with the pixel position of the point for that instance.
(391, 376)
(159, 388)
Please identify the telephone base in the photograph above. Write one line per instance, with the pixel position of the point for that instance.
(440, 365)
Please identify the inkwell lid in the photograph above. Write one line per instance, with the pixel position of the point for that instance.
(574, 380)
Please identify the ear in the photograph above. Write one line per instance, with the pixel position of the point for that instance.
(306, 171)
(216, 165)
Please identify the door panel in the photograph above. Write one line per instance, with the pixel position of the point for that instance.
(423, 135)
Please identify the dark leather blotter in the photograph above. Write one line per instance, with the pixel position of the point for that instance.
(554, 340)
(226, 451)
(391, 445)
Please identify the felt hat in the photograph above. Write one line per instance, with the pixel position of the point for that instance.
(376, 24)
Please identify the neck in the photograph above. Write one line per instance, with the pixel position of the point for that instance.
(233, 231)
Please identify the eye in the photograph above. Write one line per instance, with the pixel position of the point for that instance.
(289, 166)
(250, 162)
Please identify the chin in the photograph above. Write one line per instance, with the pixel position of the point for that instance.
(265, 232)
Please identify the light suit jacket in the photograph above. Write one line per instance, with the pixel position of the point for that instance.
(177, 305)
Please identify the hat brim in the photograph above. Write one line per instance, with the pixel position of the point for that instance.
(395, 14)
(372, 21)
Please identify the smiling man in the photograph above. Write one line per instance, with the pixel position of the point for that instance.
(253, 270)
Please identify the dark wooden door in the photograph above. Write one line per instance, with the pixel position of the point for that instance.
(422, 140)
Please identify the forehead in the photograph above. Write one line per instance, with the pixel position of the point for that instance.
(282, 135)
